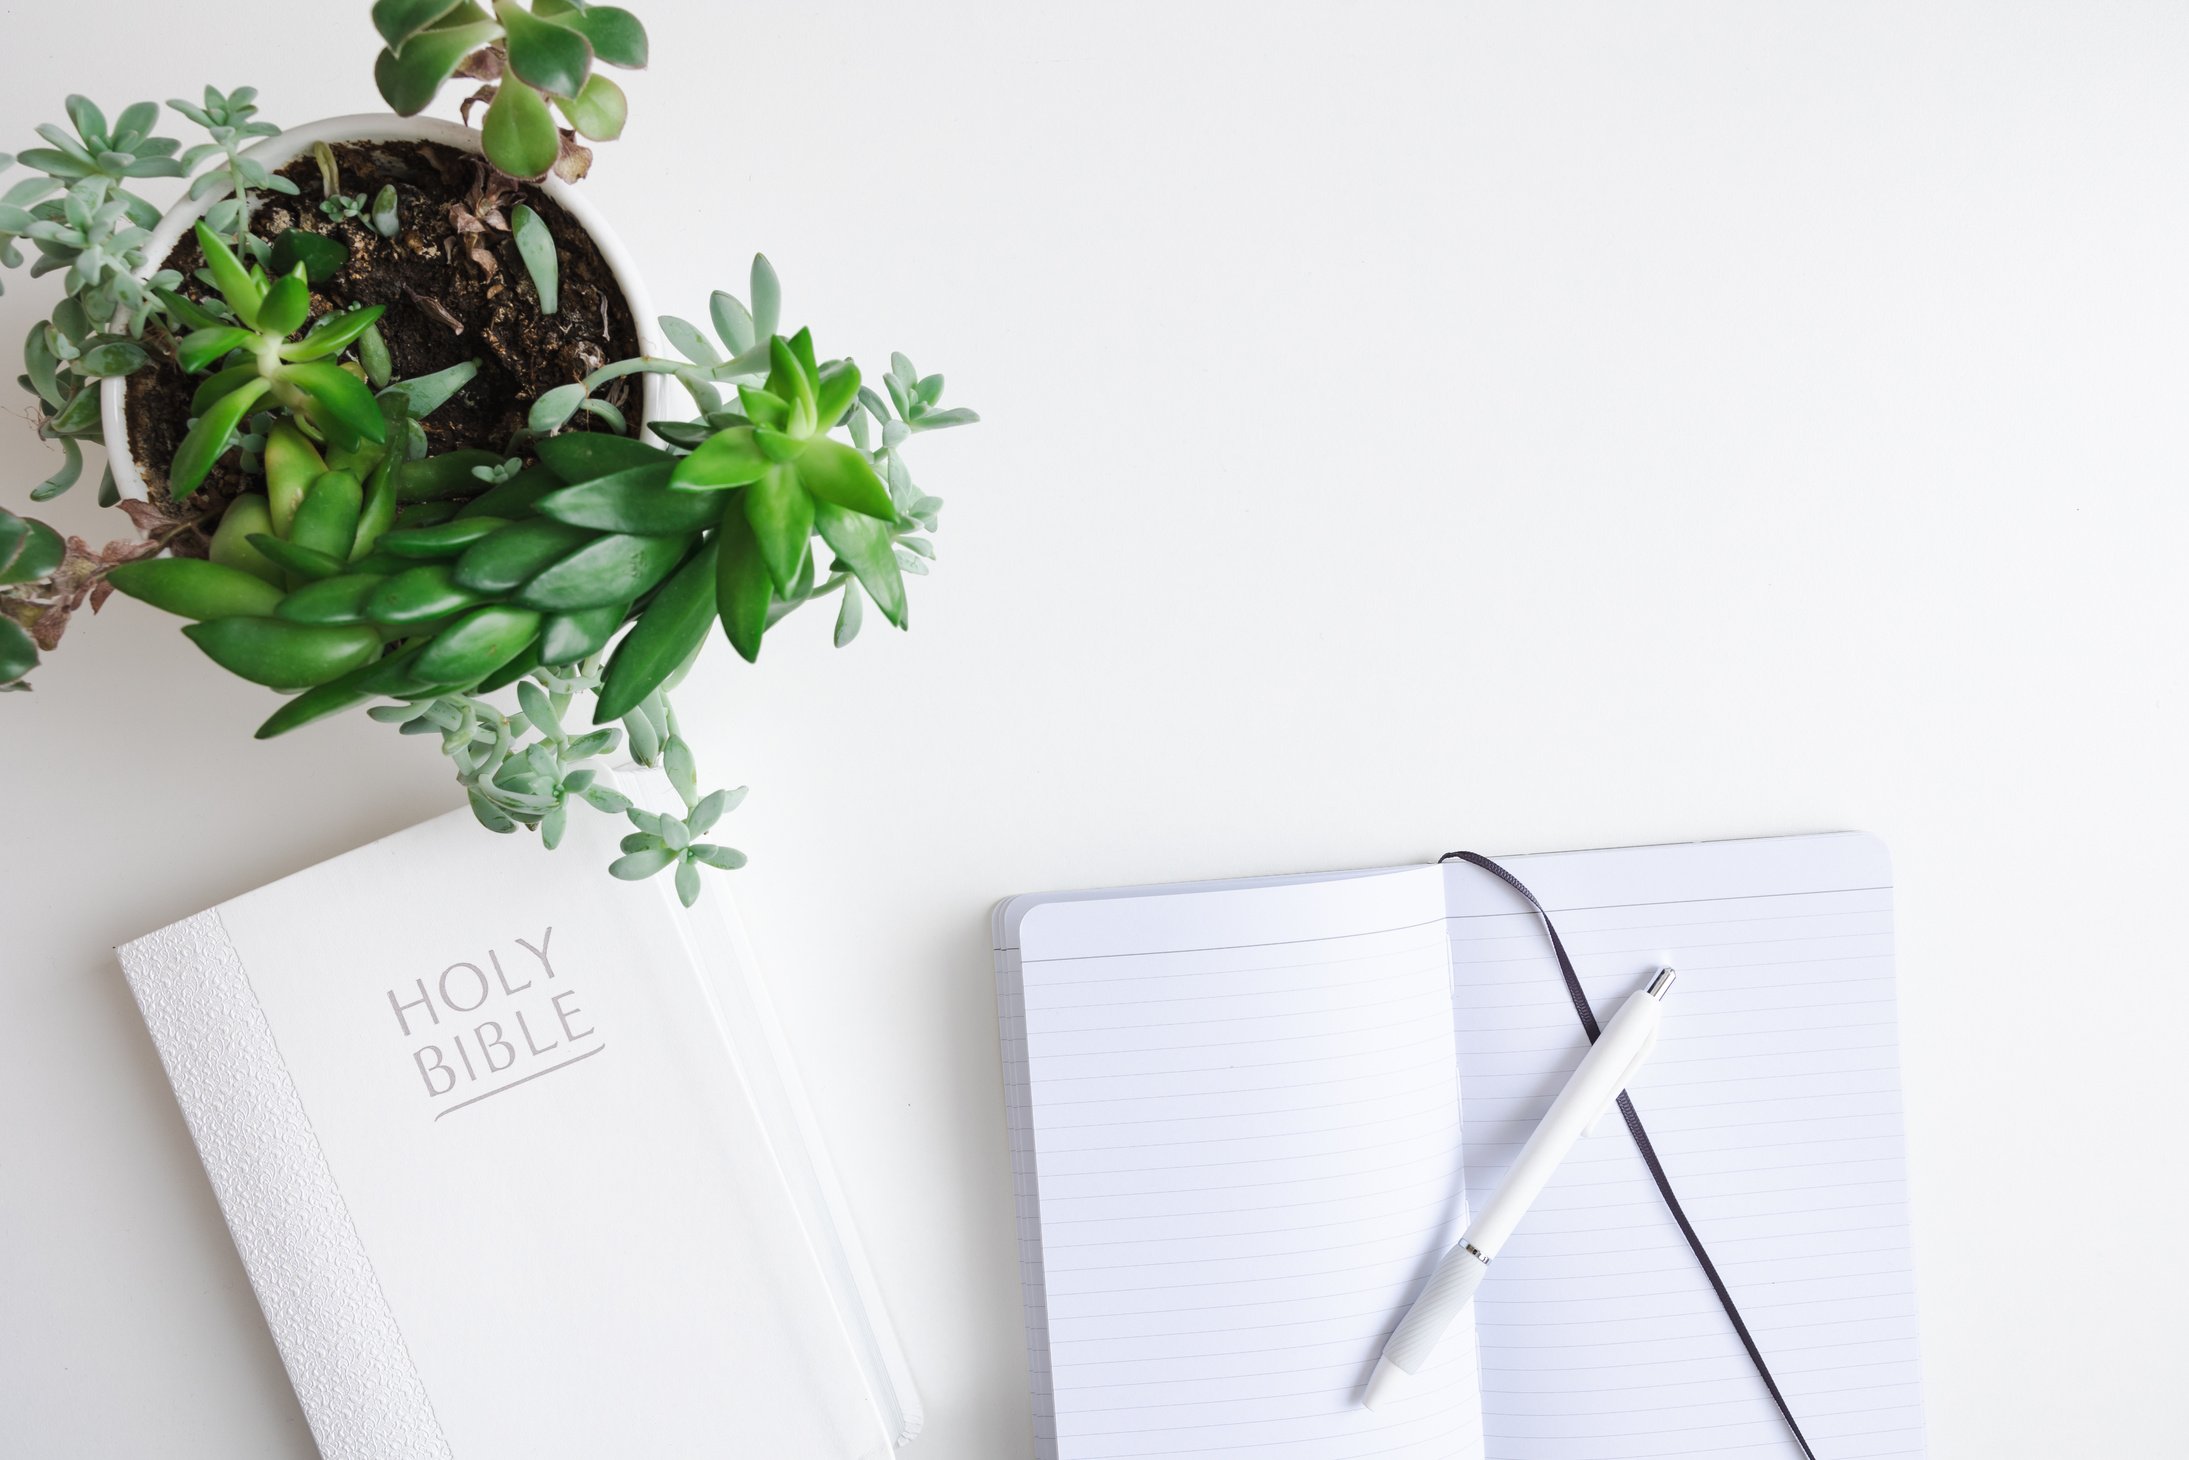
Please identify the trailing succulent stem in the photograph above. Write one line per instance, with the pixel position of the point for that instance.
(512, 781)
(231, 121)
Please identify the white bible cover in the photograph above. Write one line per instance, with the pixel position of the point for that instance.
(516, 1161)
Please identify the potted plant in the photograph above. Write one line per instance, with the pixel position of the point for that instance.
(376, 399)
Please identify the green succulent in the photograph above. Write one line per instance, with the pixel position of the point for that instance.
(796, 480)
(231, 120)
(541, 57)
(115, 154)
(495, 572)
(257, 358)
(380, 210)
(81, 217)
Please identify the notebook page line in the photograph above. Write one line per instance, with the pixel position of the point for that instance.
(1220, 1271)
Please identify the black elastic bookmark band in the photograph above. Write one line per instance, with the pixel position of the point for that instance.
(1580, 999)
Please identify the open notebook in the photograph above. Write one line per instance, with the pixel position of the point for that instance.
(1245, 1117)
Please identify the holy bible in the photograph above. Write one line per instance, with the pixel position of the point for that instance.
(516, 1160)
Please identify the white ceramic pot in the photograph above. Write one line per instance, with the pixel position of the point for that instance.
(276, 153)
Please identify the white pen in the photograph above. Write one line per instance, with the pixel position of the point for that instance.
(1604, 1071)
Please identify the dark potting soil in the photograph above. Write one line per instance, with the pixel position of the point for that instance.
(444, 305)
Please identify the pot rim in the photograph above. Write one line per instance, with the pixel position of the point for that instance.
(280, 150)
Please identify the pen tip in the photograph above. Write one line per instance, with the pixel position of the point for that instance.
(1663, 981)
(1384, 1384)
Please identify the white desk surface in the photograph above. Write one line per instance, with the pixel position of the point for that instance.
(1406, 428)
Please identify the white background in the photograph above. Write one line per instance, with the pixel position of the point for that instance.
(1406, 428)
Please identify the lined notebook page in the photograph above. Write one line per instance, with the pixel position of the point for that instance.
(1242, 1118)
(1773, 1100)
